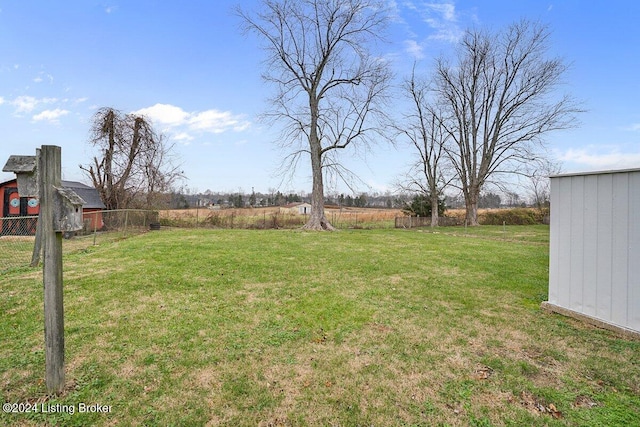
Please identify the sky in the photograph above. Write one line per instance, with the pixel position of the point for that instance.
(189, 68)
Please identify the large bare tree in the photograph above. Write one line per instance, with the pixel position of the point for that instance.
(328, 84)
(134, 162)
(423, 128)
(499, 101)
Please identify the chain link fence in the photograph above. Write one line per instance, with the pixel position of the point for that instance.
(17, 237)
(17, 234)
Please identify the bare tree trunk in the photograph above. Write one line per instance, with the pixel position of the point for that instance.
(434, 208)
(471, 205)
(109, 128)
(317, 219)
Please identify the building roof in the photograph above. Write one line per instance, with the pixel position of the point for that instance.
(563, 175)
(89, 194)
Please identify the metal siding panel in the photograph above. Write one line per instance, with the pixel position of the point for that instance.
(633, 309)
(590, 254)
(604, 249)
(577, 230)
(620, 249)
(564, 243)
(554, 241)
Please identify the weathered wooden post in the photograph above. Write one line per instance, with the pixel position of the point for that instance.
(60, 210)
(37, 246)
(51, 174)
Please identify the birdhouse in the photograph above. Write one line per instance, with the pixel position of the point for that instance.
(67, 210)
(26, 170)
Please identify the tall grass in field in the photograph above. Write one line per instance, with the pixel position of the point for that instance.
(288, 328)
(275, 218)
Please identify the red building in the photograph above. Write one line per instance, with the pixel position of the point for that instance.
(12, 205)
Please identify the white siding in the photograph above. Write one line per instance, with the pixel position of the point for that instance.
(589, 288)
(594, 266)
(633, 302)
(604, 247)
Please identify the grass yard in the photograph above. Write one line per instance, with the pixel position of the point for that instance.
(288, 328)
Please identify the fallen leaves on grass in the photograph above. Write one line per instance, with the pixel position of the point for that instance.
(535, 405)
(482, 373)
(320, 337)
(584, 402)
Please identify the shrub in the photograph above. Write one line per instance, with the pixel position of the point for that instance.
(421, 206)
(517, 216)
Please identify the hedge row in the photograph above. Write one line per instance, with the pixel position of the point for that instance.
(516, 216)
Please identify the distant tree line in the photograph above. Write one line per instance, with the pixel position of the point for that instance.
(412, 203)
(185, 198)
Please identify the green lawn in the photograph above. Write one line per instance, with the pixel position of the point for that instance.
(281, 327)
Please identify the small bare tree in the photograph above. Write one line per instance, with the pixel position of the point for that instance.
(538, 183)
(328, 85)
(160, 174)
(423, 128)
(499, 103)
(134, 161)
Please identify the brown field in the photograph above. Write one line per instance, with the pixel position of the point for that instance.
(267, 216)
(346, 217)
(371, 213)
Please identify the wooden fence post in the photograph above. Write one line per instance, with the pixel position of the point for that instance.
(37, 246)
(50, 176)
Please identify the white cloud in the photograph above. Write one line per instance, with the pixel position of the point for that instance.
(634, 127)
(441, 17)
(42, 76)
(451, 35)
(175, 119)
(183, 137)
(447, 10)
(1, 100)
(165, 114)
(215, 121)
(414, 49)
(590, 159)
(51, 116)
(41, 109)
(26, 104)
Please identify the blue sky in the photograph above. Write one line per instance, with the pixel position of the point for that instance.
(188, 67)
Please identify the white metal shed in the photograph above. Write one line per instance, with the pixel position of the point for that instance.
(594, 258)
